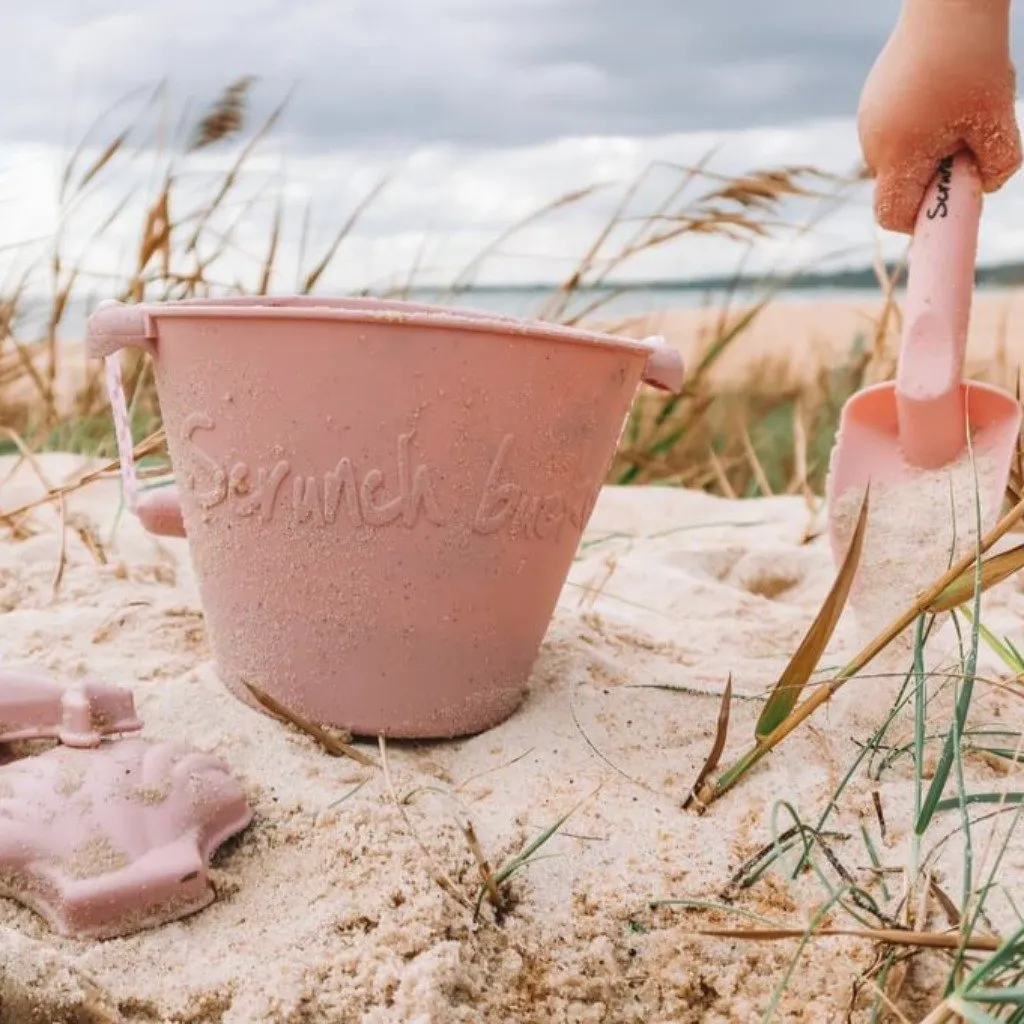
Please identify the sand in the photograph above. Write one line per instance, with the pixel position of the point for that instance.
(329, 906)
(917, 528)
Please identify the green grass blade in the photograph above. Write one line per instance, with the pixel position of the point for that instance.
(901, 700)
(948, 755)
(920, 705)
(953, 802)
(1003, 649)
(1001, 996)
(524, 855)
(1016, 654)
(876, 862)
(878, 1006)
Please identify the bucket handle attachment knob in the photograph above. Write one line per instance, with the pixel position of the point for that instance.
(114, 325)
(111, 327)
(664, 367)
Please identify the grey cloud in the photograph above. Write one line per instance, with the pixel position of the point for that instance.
(398, 73)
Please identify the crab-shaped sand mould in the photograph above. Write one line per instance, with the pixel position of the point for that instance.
(109, 841)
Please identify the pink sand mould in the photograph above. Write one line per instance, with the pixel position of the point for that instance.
(34, 707)
(109, 841)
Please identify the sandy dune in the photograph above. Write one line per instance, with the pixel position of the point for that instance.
(327, 909)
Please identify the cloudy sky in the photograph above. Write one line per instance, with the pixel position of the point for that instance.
(484, 110)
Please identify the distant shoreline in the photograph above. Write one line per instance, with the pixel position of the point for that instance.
(994, 276)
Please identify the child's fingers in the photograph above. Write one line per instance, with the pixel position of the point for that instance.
(899, 191)
(997, 149)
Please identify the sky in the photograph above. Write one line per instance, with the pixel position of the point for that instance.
(483, 111)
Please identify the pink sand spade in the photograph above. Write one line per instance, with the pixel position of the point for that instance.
(889, 432)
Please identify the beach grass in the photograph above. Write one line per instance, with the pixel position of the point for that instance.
(189, 218)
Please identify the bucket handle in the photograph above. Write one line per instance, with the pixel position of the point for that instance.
(113, 326)
(122, 432)
(130, 326)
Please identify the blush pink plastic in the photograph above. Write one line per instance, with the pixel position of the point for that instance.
(382, 499)
(102, 843)
(920, 421)
(34, 707)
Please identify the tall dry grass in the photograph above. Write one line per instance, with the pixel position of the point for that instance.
(188, 220)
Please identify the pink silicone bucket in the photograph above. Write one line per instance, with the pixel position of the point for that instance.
(382, 500)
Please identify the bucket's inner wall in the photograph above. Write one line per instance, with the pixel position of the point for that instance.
(382, 516)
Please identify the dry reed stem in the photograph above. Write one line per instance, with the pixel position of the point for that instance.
(331, 744)
(590, 592)
(27, 455)
(467, 274)
(344, 231)
(889, 999)
(720, 475)
(62, 556)
(755, 463)
(890, 936)
(799, 479)
(556, 305)
(267, 270)
(230, 178)
(153, 443)
(484, 867)
(717, 747)
(687, 177)
(941, 1014)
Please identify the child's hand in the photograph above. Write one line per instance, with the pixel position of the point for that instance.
(943, 82)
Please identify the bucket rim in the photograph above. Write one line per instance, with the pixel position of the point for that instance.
(387, 311)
